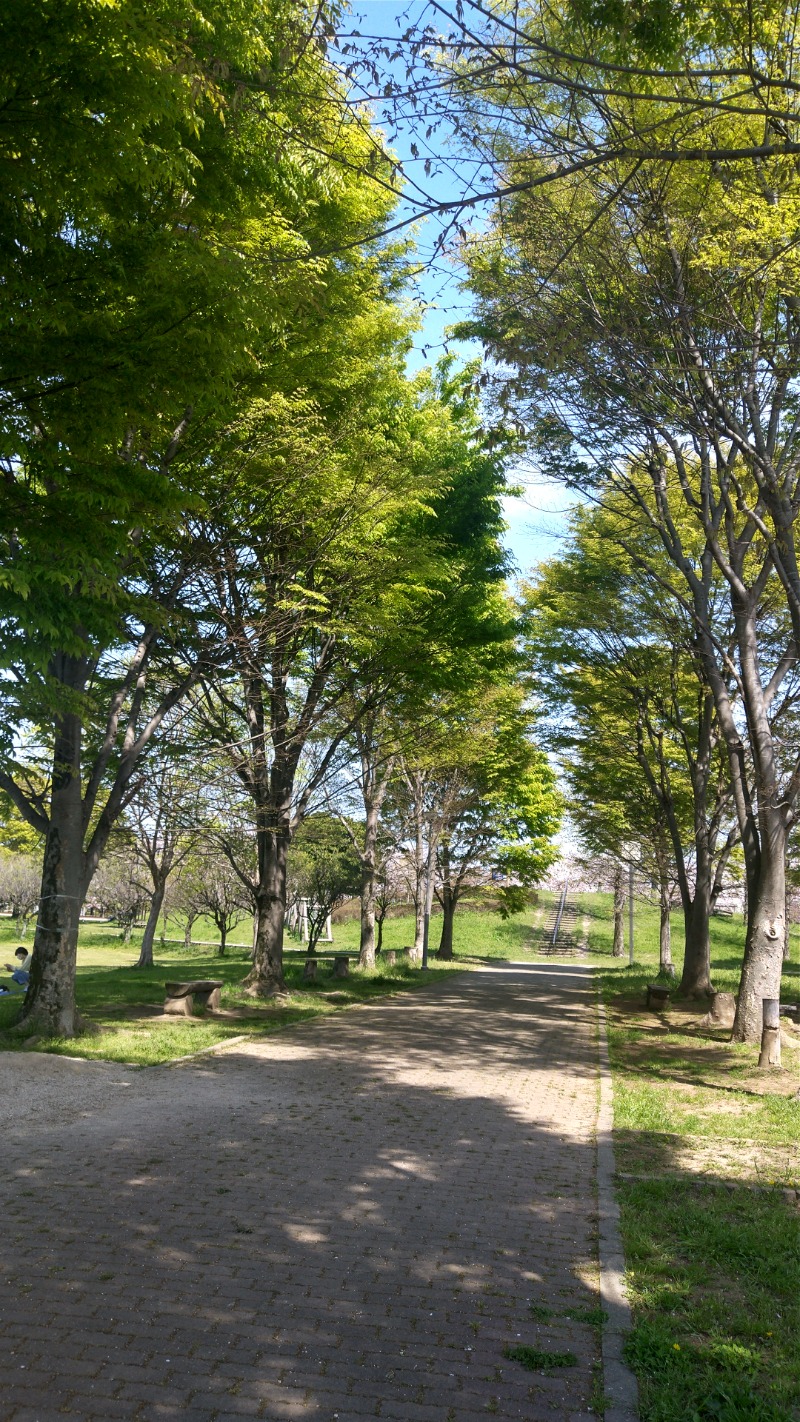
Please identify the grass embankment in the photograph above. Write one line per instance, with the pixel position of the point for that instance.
(706, 1147)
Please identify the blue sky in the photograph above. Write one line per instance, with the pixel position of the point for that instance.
(536, 522)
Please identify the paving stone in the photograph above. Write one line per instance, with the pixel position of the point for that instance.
(346, 1221)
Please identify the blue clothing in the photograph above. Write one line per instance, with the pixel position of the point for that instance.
(20, 976)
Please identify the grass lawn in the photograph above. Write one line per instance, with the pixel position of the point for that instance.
(125, 1003)
(713, 1263)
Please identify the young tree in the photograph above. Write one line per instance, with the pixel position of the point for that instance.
(220, 894)
(119, 887)
(375, 739)
(482, 797)
(20, 887)
(164, 824)
(323, 870)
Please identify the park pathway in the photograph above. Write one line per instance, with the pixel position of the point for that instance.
(350, 1221)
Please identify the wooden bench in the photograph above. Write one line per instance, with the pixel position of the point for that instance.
(657, 997)
(181, 997)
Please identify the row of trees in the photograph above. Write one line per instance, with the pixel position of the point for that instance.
(641, 310)
(236, 536)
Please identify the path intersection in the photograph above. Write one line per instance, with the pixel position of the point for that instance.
(354, 1219)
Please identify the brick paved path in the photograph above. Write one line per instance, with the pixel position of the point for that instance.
(349, 1222)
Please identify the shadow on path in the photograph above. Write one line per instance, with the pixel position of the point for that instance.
(350, 1220)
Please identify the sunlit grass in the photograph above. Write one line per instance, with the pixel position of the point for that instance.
(123, 1003)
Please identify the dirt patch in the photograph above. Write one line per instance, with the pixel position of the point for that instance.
(673, 1047)
(662, 1153)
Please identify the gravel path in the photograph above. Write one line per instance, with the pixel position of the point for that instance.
(348, 1221)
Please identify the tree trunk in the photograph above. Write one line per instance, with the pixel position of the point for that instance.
(448, 913)
(127, 929)
(766, 929)
(379, 944)
(419, 897)
(366, 956)
(266, 975)
(49, 1005)
(187, 932)
(223, 938)
(618, 949)
(146, 953)
(665, 964)
(448, 904)
(696, 975)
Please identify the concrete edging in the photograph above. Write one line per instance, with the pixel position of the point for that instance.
(619, 1383)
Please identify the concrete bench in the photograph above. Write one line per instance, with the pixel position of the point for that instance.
(181, 997)
(341, 966)
(657, 997)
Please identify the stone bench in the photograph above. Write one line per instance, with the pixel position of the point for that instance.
(341, 966)
(657, 997)
(181, 997)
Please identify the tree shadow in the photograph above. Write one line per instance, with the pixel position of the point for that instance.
(361, 1211)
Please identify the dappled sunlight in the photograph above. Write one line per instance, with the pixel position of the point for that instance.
(364, 1207)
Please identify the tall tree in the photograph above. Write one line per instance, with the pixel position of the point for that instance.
(159, 217)
(634, 717)
(658, 361)
(323, 870)
(345, 567)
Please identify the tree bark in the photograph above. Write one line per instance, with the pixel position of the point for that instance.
(766, 929)
(49, 1005)
(448, 905)
(696, 975)
(618, 949)
(665, 964)
(223, 938)
(445, 950)
(419, 895)
(266, 975)
(366, 955)
(770, 1055)
(148, 938)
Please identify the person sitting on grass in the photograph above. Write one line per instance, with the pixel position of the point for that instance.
(21, 971)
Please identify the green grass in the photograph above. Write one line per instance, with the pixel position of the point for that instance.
(714, 1280)
(122, 1001)
(476, 934)
(713, 1268)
